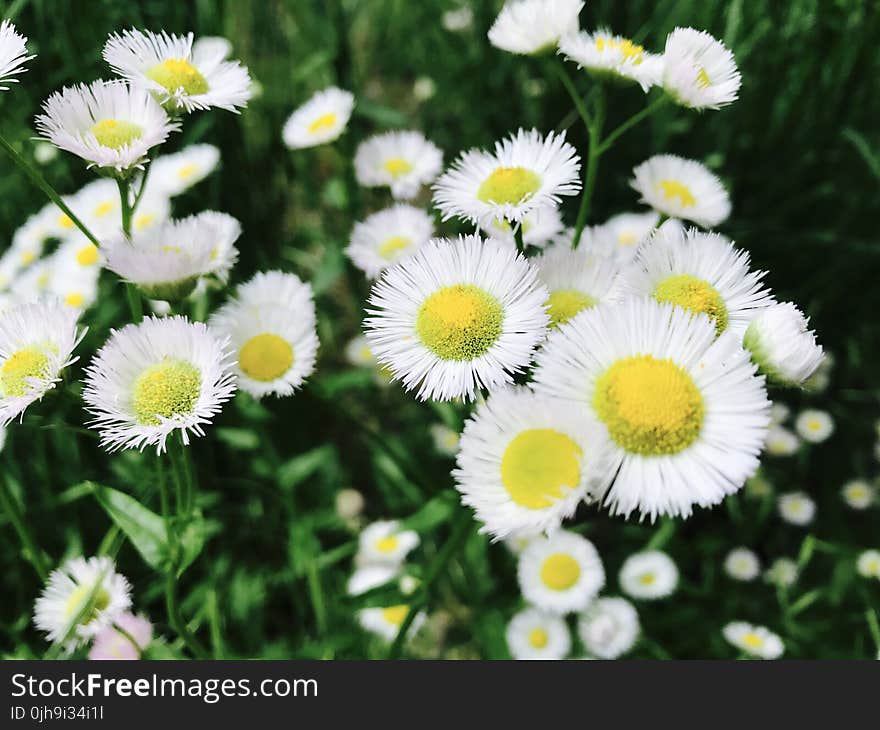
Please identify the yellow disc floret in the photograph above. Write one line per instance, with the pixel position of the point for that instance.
(694, 294)
(19, 367)
(395, 614)
(629, 50)
(565, 303)
(178, 73)
(673, 189)
(459, 322)
(539, 466)
(397, 166)
(116, 133)
(322, 123)
(87, 255)
(752, 640)
(650, 406)
(538, 638)
(387, 544)
(393, 246)
(560, 571)
(77, 602)
(164, 390)
(265, 357)
(509, 185)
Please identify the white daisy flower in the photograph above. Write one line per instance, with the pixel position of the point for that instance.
(609, 627)
(859, 494)
(526, 172)
(648, 575)
(756, 641)
(227, 230)
(386, 237)
(783, 572)
(686, 413)
(13, 54)
(539, 227)
(108, 123)
(796, 508)
(445, 439)
(459, 315)
(868, 564)
(779, 413)
(181, 77)
(621, 236)
(701, 272)
(349, 504)
(781, 442)
(699, 71)
(385, 543)
(387, 622)
(154, 378)
(37, 340)
(681, 188)
(402, 161)
(459, 19)
(371, 575)
(529, 27)
(536, 634)
(174, 174)
(322, 119)
(67, 593)
(608, 56)
(782, 346)
(576, 281)
(742, 564)
(814, 425)
(358, 352)
(560, 573)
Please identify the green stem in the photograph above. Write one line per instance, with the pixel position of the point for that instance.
(213, 611)
(32, 552)
(662, 536)
(632, 122)
(460, 530)
(578, 100)
(135, 302)
(518, 237)
(316, 595)
(594, 131)
(125, 634)
(37, 179)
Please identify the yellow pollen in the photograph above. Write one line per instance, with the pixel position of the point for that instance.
(752, 640)
(178, 73)
(459, 322)
(510, 185)
(538, 638)
(21, 366)
(77, 601)
(650, 406)
(560, 572)
(393, 246)
(627, 238)
(74, 299)
(647, 579)
(87, 255)
(115, 133)
(322, 123)
(104, 208)
(566, 303)
(64, 221)
(187, 171)
(703, 80)
(28, 257)
(539, 466)
(265, 357)
(144, 220)
(395, 614)
(814, 425)
(629, 50)
(166, 389)
(694, 294)
(387, 544)
(674, 189)
(397, 166)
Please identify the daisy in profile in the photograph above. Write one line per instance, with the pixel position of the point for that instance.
(621, 236)
(371, 575)
(560, 573)
(385, 543)
(181, 78)
(781, 442)
(576, 281)
(648, 575)
(174, 174)
(537, 634)
(110, 644)
(526, 461)
(358, 352)
(783, 572)
(681, 188)
(686, 413)
(756, 641)
(868, 564)
(110, 124)
(270, 325)
(782, 346)
(526, 172)
(459, 315)
(402, 161)
(37, 340)
(796, 508)
(742, 564)
(322, 119)
(530, 27)
(701, 272)
(859, 494)
(607, 56)
(699, 71)
(814, 425)
(13, 54)
(224, 254)
(445, 439)
(538, 228)
(153, 379)
(81, 598)
(609, 627)
(386, 237)
(387, 622)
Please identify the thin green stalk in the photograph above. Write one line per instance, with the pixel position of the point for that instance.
(594, 132)
(183, 476)
(873, 626)
(632, 122)
(125, 634)
(127, 208)
(518, 237)
(578, 100)
(135, 302)
(31, 549)
(213, 611)
(37, 179)
(316, 595)
(662, 536)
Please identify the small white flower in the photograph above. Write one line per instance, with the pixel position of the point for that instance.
(868, 564)
(620, 237)
(385, 543)
(609, 627)
(387, 622)
(13, 54)
(445, 439)
(322, 119)
(779, 413)
(781, 442)
(782, 346)
(386, 237)
(459, 19)
(536, 634)
(648, 575)
(796, 508)
(349, 504)
(814, 425)
(371, 575)
(742, 564)
(529, 27)
(859, 494)
(424, 87)
(358, 352)
(783, 572)
(174, 174)
(756, 641)
(699, 71)
(224, 254)
(403, 161)
(605, 55)
(576, 281)
(539, 227)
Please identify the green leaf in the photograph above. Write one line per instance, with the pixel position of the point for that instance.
(143, 527)
(241, 439)
(193, 538)
(435, 512)
(301, 467)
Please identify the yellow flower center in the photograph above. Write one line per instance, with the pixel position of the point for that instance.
(65, 222)
(19, 367)
(144, 220)
(674, 189)
(459, 322)
(116, 133)
(752, 640)
(509, 185)
(694, 294)
(703, 80)
(395, 614)
(393, 246)
(28, 257)
(178, 73)
(187, 171)
(629, 50)
(565, 303)
(647, 579)
(322, 123)
(560, 572)
(104, 208)
(387, 544)
(539, 465)
(74, 299)
(397, 166)
(77, 601)
(164, 390)
(87, 255)
(650, 406)
(265, 357)
(538, 638)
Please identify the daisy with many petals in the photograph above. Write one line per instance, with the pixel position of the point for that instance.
(576, 281)
(176, 173)
(322, 119)
(756, 641)
(529, 27)
(649, 575)
(609, 627)
(401, 161)
(782, 345)
(607, 56)
(13, 54)
(699, 71)
(386, 237)
(537, 634)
